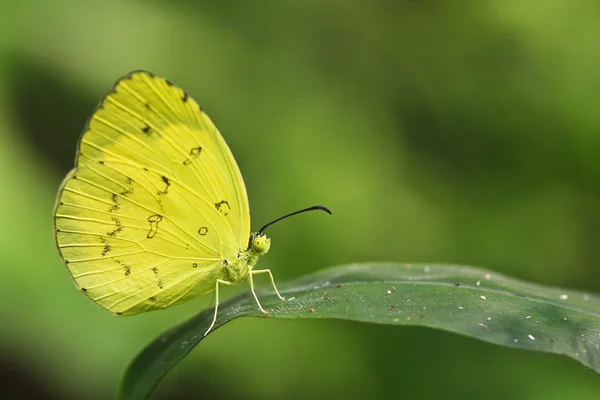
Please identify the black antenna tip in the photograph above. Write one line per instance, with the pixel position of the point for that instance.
(327, 210)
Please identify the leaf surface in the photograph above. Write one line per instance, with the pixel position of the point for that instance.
(465, 300)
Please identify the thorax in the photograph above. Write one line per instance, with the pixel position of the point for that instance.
(237, 269)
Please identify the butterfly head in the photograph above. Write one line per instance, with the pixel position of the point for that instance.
(260, 243)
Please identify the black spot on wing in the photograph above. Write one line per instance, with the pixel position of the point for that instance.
(118, 227)
(116, 205)
(106, 249)
(126, 268)
(223, 207)
(159, 281)
(194, 153)
(129, 189)
(167, 183)
(153, 220)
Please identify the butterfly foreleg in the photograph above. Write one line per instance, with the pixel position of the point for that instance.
(216, 302)
(268, 271)
(254, 293)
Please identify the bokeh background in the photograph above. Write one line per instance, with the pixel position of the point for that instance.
(437, 131)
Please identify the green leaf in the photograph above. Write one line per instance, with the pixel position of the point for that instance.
(470, 301)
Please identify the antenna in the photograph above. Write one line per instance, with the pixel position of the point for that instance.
(294, 213)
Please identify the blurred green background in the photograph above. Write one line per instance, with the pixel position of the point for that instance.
(437, 131)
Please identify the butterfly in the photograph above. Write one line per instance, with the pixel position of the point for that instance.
(155, 211)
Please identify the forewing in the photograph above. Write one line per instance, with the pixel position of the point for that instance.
(155, 203)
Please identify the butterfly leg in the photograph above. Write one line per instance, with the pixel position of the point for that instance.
(254, 293)
(216, 303)
(262, 271)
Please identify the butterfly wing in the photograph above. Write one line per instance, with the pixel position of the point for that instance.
(155, 203)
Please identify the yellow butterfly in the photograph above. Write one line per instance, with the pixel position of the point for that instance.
(155, 211)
